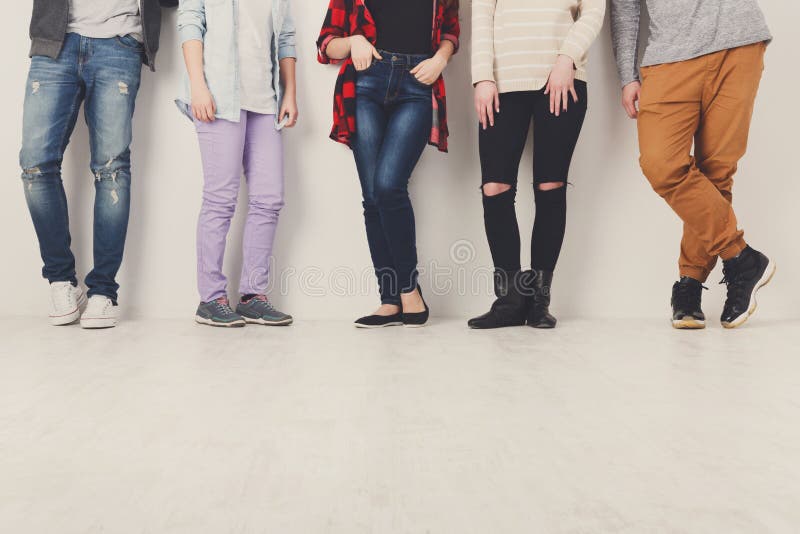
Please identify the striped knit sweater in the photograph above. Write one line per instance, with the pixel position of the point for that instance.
(515, 43)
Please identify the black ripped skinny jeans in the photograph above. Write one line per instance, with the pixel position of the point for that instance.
(501, 148)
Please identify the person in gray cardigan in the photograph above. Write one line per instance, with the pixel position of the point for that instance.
(693, 98)
(51, 19)
(86, 52)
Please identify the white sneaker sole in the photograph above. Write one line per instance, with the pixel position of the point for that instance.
(96, 323)
(264, 322)
(71, 317)
(209, 322)
(766, 278)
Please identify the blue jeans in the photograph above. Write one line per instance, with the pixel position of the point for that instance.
(105, 75)
(394, 115)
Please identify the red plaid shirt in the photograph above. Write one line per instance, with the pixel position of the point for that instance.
(351, 17)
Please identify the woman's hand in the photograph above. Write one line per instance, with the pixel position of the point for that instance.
(487, 102)
(203, 107)
(362, 52)
(288, 111)
(561, 84)
(428, 71)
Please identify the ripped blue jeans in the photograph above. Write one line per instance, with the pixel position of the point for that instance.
(104, 75)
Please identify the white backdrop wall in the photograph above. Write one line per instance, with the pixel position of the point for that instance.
(619, 258)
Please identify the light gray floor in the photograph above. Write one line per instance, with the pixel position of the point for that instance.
(598, 426)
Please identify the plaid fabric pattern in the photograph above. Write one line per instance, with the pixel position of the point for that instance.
(351, 17)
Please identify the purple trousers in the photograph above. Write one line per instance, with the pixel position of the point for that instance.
(227, 148)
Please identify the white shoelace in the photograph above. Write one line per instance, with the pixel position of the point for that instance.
(63, 296)
(98, 306)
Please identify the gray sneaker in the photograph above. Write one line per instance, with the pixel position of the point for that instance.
(218, 313)
(259, 310)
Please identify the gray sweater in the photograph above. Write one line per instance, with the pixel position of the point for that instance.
(682, 29)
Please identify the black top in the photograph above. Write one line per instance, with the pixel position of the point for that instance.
(403, 26)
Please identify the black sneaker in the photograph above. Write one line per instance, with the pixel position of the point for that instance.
(686, 297)
(744, 275)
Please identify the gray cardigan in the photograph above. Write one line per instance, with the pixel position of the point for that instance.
(50, 18)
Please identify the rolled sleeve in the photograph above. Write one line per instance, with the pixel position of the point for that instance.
(286, 40)
(453, 39)
(191, 20)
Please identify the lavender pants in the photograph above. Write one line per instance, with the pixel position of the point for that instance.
(227, 148)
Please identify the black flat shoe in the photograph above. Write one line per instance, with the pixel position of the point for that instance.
(379, 321)
(417, 319)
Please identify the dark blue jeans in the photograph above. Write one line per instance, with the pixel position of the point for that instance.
(394, 114)
(105, 75)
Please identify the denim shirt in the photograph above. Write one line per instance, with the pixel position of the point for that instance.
(221, 51)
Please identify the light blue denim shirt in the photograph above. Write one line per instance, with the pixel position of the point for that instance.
(221, 51)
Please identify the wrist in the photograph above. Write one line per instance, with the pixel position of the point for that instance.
(566, 60)
(442, 56)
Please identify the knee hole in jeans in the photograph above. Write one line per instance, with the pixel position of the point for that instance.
(549, 186)
(492, 189)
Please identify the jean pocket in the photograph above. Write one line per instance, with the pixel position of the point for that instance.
(369, 68)
(419, 83)
(129, 42)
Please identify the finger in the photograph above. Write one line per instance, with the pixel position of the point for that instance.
(483, 116)
(497, 101)
(547, 88)
(557, 102)
(376, 54)
(565, 98)
(628, 109)
(490, 113)
(574, 93)
(552, 103)
(416, 69)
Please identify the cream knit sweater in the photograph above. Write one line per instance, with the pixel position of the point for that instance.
(515, 43)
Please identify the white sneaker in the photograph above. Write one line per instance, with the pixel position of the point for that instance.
(66, 303)
(100, 313)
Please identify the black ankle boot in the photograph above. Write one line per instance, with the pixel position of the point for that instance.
(510, 307)
(539, 312)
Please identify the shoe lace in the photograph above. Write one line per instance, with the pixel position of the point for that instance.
(64, 297)
(688, 295)
(733, 279)
(223, 306)
(265, 302)
(98, 305)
